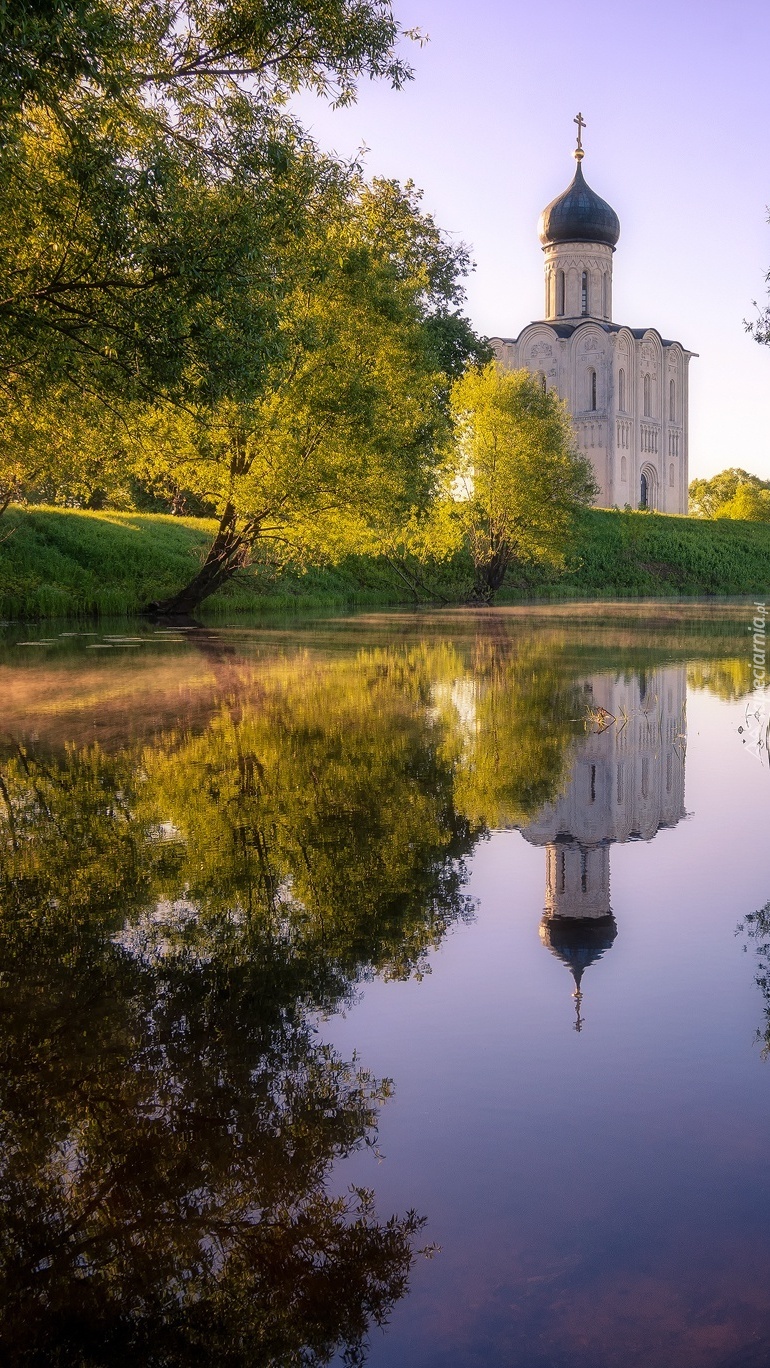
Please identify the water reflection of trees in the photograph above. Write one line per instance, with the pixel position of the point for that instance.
(174, 917)
(168, 1116)
(756, 927)
(727, 679)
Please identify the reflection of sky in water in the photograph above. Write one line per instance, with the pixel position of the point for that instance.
(600, 1198)
(603, 1198)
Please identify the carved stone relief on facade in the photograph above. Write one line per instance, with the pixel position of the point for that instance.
(649, 359)
(581, 262)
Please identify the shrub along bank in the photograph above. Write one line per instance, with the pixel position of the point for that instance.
(65, 563)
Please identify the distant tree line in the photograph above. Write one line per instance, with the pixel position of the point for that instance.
(733, 493)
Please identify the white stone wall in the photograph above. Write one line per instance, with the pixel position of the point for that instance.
(626, 782)
(637, 425)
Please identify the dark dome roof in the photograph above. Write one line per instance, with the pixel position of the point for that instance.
(579, 215)
(579, 941)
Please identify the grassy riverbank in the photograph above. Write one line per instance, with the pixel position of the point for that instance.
(649, 554)
(60, 563)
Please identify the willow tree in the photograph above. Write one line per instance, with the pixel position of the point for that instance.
(345, 435)
(152, 176)
(516, 481)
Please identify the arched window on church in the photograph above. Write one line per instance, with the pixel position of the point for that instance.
(623, 468)
(605, 296)
(541, 380)
(560, 293)
(672, 402)
(584, 293)
(671, 475)
(592, 390)
(647, 396)
(622, 390)
(644, 493)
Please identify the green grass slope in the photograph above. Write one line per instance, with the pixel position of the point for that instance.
(65, 563)
(653, 553)
(68, 563)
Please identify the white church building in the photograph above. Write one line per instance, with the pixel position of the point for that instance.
(626, 388)
(626, 784)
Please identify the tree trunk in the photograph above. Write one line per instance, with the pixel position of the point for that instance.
(227, 553)
(490, 575)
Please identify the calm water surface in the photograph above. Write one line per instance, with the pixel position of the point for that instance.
(390, 990)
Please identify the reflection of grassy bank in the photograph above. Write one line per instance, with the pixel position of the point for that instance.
(64, 563)
(76, 684)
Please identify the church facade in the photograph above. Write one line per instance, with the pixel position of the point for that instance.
(626, 784)
(626, 388)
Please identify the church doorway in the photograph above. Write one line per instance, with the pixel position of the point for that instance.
(648, 488)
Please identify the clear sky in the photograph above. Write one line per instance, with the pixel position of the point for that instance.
(675, 100)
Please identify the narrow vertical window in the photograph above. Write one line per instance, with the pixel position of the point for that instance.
(647, 396)
(623, 468)
(671, 476)
(560, 293)
(584, 871)
(584, 293)
(541, 380)
(562, 872)
(622, 390)
(644, 493)
(592, 390)
(593, 783)
(671, 402)
(605, 296)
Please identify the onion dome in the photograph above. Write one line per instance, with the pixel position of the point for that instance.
(579, 215)
(578, 942)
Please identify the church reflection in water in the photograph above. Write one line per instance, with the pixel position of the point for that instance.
(626, 784)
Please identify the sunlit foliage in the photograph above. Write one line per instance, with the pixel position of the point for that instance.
(732, 493)
(515, 479)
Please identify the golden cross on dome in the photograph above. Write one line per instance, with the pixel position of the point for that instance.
(578, 154)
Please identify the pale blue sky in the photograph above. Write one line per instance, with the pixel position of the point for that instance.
(675, 99)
